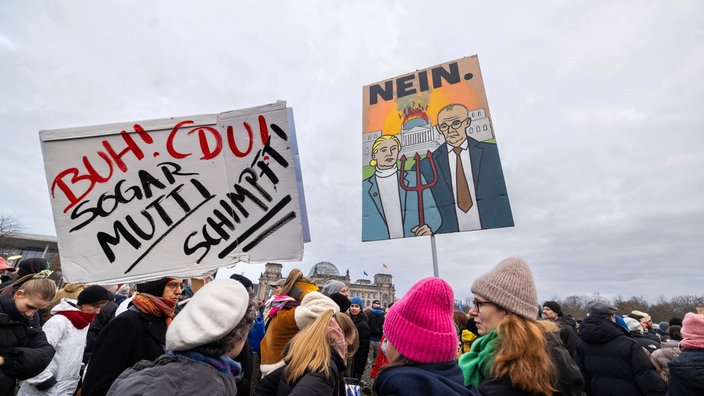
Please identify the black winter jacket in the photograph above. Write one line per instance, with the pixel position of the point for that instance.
(687, 373)
(359, 360)
(23, 346)
(107, 313)
(375, 317)
(568, 333)
(311, 384)
(647, 343)
(128, 338)
(613, 363)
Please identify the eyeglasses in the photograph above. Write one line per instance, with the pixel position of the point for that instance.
(175, 285)
(456, 124)
(479, 304)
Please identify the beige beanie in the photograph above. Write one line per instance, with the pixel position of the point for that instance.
(510, 285)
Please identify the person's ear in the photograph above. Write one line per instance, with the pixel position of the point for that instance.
(18, 293)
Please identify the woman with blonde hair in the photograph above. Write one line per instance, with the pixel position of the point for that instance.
(516, 354)
(298, 305)
(314, 359)
(24, 349)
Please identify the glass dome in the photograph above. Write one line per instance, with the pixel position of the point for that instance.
(324, 268)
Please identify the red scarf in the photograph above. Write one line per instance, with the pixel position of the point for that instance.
(157, 306)
(78, 319)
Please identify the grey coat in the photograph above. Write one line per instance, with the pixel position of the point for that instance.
(173, 376)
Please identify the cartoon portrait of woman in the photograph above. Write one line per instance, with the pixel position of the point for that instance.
(388, 210)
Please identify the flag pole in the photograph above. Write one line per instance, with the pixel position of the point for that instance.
(436, 273)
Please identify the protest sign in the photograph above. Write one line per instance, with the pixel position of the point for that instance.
(430, 163)
(177, 196)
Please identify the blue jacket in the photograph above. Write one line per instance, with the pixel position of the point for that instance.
(423, 379)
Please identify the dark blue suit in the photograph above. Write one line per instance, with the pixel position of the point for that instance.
(489, 185)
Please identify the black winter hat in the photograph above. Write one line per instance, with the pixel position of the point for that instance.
(155, 287)
(31, 266)
(554, 306)
(243, 280)
(342, 301)
(93, 294)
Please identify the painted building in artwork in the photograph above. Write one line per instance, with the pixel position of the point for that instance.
(381, 288)
(418, 135)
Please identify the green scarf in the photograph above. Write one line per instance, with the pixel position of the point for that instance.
(476, 363)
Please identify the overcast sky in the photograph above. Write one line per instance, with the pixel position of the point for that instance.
(597, 106)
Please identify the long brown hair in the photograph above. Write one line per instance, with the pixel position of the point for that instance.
(522, 354)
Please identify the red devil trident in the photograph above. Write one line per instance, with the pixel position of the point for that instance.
(419, 187)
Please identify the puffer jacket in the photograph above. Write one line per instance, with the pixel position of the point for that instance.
(172, 376)
(23, 346)
(668, 351)
(686, 373)
(613, 363)
(62, 374)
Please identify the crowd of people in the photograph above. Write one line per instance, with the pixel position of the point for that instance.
(168, 337)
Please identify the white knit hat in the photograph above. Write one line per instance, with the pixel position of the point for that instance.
(312, 305)
(209, 315)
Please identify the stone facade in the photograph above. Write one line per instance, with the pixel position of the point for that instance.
(382, 288)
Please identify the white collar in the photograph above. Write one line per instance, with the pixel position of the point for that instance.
(386, 172)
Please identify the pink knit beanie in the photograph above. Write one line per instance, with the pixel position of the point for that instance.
(420, 324)
(510, 285)
(692, 331)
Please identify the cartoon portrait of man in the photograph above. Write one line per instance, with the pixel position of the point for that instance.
(470, 190)
(389, 210)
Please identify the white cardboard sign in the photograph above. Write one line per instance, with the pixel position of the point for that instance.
(177, 196)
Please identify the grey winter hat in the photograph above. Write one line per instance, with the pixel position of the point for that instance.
(332, 286)
(601, 310)
(509, 285)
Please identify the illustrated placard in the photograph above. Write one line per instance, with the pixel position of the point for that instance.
(430, 163)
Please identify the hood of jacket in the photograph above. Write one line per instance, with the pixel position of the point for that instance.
(595, 330)
(66, 304)
(74, 287)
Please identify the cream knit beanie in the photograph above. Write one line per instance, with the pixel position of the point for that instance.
(510, 285)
